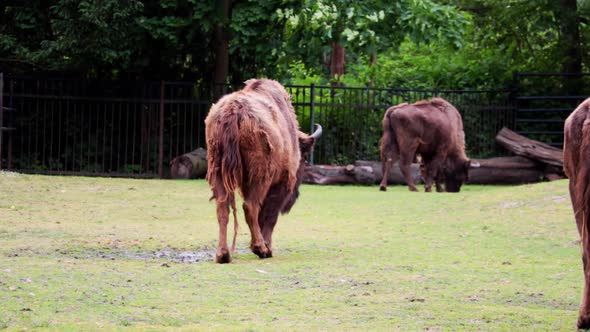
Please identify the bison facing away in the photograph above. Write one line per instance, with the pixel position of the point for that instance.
(576, 164)
(432, 129)
(254, 145)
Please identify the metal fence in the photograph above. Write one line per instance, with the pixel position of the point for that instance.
(352, 117)
(545, 100)
(66, 126)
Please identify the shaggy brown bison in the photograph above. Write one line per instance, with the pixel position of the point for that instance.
(434, 130)
(576, 164)
(254, 145)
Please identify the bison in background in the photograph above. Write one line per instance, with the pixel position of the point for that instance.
(576, 164)
(254, 145)
(432, 129)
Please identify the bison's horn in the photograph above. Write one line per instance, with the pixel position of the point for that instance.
(318, 131)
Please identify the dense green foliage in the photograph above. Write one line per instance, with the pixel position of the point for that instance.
(405, 43)
(147, 39)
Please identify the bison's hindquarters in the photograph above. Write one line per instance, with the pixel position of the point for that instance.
(577, 168)
(389, 150)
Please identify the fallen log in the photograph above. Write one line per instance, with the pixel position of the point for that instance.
(529, 148)
(190, 165)
(327, 174)
(501, 170)
(506, 170)
(395, 175)
(362, 172)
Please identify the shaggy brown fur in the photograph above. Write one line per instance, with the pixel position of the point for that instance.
(576, 164)
(434, 130)
(254, 145)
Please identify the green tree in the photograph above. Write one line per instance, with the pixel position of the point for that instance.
(364, 29)
(201, 40)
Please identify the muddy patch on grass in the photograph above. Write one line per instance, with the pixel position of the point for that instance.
(167, 254)
(204, 254)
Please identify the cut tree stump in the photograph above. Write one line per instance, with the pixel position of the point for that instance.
(529, 148)
(191, 165)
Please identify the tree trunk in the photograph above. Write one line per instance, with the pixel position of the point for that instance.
(529, 148)
(221, 40)
(372, 62)
(337, 62)
(569, 44)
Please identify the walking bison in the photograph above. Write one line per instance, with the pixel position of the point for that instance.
(254, 145)
(576, 164)
(432, 129)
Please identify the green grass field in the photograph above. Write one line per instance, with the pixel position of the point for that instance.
(95, 253)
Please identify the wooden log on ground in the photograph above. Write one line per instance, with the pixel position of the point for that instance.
(362, 172)
(502, 170)
(327, 174)
(529, 148)
(395, 175)
(506, 170)
(190, 165)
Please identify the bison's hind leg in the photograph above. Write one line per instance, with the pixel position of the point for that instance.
(584, 322)
(223, 254)
(257, 245)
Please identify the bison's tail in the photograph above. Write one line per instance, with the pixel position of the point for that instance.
(388, 141)
(233, 206)
(582, 183)
(224, 169)
(231, 160)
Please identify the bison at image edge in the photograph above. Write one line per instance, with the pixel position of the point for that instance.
(576, 164)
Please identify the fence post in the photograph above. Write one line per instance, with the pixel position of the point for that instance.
(311, 117)
(161, 135)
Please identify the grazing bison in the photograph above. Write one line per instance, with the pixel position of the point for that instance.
(254, 145)
(576, 164)
(434, 130)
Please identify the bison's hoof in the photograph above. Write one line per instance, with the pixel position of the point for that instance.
(262, 252)
(222, 257)
(383, 188)
(584, 322)
(414, 189)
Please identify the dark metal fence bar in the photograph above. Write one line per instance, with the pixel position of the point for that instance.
(161, 133)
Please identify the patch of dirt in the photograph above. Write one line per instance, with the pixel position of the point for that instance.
(508, 205)
(558, 199)
(204, 254)
(178, 256)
